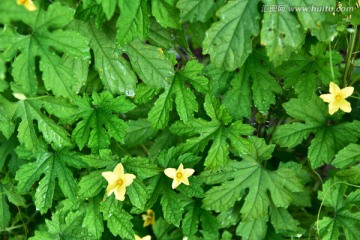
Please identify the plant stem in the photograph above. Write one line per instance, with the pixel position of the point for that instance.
(350, 56)
(331, 63)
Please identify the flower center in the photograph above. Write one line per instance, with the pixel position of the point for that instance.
(179, 175)
(338, 97)
(22, 1)
(120, 182)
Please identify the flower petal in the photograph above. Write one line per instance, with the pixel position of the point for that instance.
(29, 5)
(120, 193)
(334, 88)
(110, 177)
(181, 167)
(110, 189)
(128, 179)
(347, 92)
(327, 97)
(345, 106)
(170, 172)
(334, 107)
(185, 180)
(119, 170)
(175, 183)
(188, 172)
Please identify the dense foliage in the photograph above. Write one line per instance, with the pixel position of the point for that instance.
(179, 119)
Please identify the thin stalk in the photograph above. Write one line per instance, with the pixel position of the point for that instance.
(331, 64)
(350, 56)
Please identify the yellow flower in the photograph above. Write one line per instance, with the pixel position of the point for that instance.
(336, 98)
(148, 237)
(118, 181)
(180, 175)
(28, 4)
(149, 218)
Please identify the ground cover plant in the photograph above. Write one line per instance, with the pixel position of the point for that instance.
(179, 119)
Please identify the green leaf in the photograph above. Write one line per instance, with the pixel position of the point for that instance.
(229, 41)
(99, 121)
(185, 99)
(138, 132)
(90, 10)
(239, 181)
(159, 113)
(172, 206)
(306, 72)
(193, 73)
(93, 221)
(334, 196)
(252, 229)
(9, 11)
(284, 223)
(166, 13)
(30, 110)
(264, 88)
(209, 224)
(45, 43)
(103, 159)
(291, 135)
(90, 185)
(230, 217)
(7, 127)
(193, 11)
(133, 22)
(114, 71)
(318, 22)
(164, 231)
(108, 7)
(347, 156)
(63, 225)
(2, 70)
(52, 166)
(151, 64)
(4, 210)
(118, 220)
(351, 175)
(219, 79)
(12, 195)
(241, 107)
(9, 155)
(142, 167)
(194, 189)
(256, 202)
(80, 68)
(328, 139)
(161, 36)
(191, 221)
(254, 73)
(144, 93)
(215, 130)
(281, 33)
(137, 194)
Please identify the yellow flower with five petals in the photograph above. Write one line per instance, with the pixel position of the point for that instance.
(179, 175)
(28, 4)
(149, 218)
(118, 181)
(147, 237)
(336, 98)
